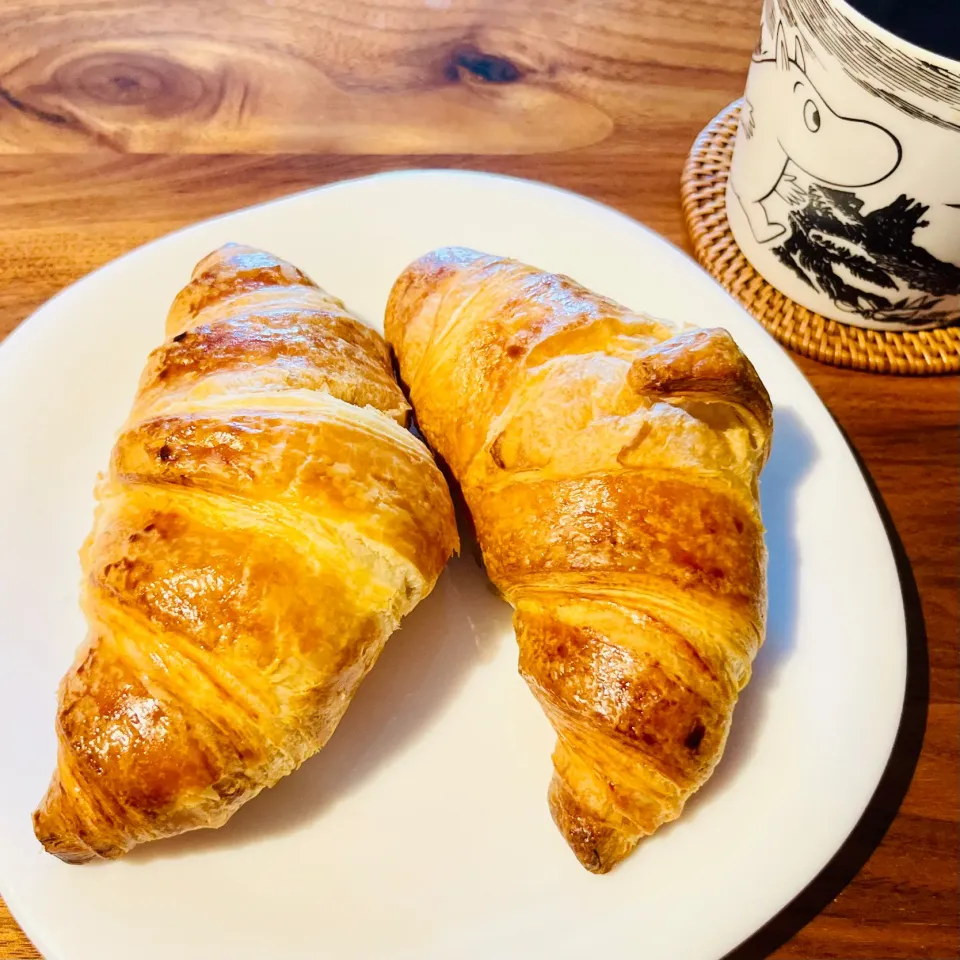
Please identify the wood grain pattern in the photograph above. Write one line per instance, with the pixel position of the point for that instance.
(234, 103)
(356, 77)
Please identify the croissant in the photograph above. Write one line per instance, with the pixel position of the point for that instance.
(266, 522)
(610, 464)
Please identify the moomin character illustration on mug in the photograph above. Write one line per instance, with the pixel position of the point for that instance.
(842, 190)
(800, 129)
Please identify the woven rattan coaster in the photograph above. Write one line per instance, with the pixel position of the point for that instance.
(702, 191)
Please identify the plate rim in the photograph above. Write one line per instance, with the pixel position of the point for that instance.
(837, 873)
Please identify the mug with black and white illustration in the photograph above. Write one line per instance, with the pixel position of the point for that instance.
(844, 190)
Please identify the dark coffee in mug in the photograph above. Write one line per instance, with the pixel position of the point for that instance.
(931, 24)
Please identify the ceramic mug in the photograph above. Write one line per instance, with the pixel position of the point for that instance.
(844, 190)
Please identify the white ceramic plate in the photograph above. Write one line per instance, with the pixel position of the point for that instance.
(422, 831)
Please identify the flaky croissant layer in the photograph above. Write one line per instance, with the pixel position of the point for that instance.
(610, 463)
(266, 522)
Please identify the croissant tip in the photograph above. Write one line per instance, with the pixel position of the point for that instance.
(54, 829)
(68, 848)
(597, 844)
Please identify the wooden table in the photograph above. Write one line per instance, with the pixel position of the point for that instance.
(122, 120)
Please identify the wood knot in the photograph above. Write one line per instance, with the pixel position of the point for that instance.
(159, 87)
(485, 66)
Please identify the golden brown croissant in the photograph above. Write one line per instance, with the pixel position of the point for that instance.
(610, 464)
(266, 522)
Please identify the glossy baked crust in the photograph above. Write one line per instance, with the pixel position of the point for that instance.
(266, 522)
(610, 463)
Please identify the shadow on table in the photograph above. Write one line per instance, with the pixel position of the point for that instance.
(891, 790)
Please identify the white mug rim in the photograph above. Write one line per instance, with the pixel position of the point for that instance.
(891, 39)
